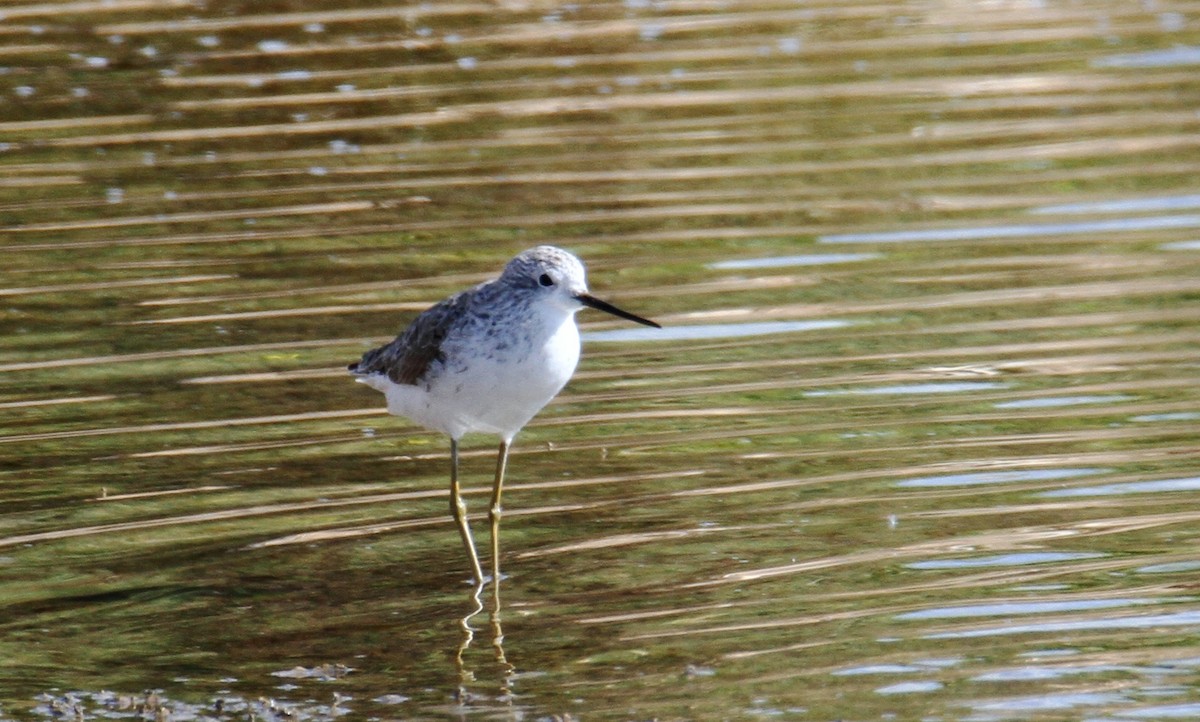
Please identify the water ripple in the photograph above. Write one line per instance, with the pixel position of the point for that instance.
(1189, 618)
(1050, 702)
(1129, 205)
(1048, 402)
(1004, 560)
(1018, 230)
(1033, 607)
(1177, 56)
(915, 686)
(941, 387)
(1191, 483)
(998, 477)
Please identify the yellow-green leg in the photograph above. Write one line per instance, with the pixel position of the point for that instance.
(458, 509)
(495, 511)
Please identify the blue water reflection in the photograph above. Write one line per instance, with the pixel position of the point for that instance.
(1169, 567)
(1177, 55)
(1187, 710)
(1004, 560)
(1190, 618)
(948, 387)
(1050, 702)
(1014, 608)
(1127, 205)
(1050, 402)
(1041, 674)
(1181, 246)
(1174, 416)
(878, 669)
(1019, 230)
(1190, 483)
(925, 685)
(999, 477)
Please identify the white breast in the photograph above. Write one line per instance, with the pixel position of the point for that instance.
(498, 390)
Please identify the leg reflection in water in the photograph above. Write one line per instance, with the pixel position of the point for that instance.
(504, 694)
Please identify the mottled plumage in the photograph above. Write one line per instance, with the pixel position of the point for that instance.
(487, 360)
(406, 359)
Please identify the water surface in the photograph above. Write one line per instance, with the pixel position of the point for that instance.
(947, 474)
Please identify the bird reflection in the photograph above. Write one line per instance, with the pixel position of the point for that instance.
(504, 695)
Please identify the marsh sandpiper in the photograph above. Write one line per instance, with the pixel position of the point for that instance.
(487, 360)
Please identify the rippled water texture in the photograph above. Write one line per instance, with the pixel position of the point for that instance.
(918, 440)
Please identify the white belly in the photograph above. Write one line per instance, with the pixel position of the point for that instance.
(497, 391)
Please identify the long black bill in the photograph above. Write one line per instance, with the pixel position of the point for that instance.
(593, 302)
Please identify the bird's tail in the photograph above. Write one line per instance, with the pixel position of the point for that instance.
(368, 364)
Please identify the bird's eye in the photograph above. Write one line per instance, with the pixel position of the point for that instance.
(545, 280)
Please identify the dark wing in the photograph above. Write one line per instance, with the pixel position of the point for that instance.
(406, 359)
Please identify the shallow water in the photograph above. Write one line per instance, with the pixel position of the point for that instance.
(949, 473)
